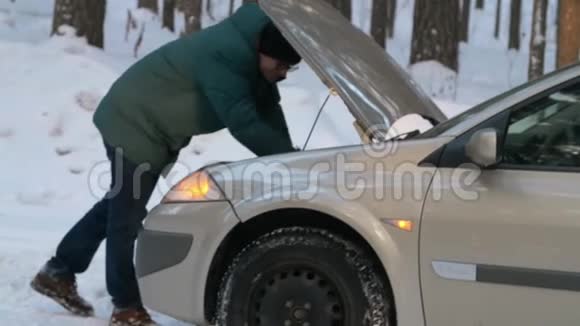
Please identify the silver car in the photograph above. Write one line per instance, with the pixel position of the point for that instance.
(475, 221)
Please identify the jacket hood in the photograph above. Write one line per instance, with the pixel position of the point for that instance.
(249, 20)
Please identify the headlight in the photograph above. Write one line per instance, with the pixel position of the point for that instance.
(198, 186)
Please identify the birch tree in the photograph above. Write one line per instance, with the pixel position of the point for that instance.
(538, 40)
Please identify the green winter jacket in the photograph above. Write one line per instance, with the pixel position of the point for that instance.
(194, 85)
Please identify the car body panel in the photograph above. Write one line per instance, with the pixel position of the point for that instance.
(521, 219)
(158, 250)
(314, 182)
(373, 86)
(178, 291)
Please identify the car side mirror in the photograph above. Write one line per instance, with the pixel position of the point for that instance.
(482, 147)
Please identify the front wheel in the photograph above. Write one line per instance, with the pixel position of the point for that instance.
(306, 277)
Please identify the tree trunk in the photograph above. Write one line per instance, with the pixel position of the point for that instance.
(568, 32)
(379, 22)
(435, 33)
(515, 20)
(63, 14)
(169, 14)
(391, 16)
(192, 10)
(91, 21)
(465, 11)
(86, 16)
(497, 19)
(538, 40)
(232, 2)
(479, 4)
(344, 6)
(148, 4)
(209, 9)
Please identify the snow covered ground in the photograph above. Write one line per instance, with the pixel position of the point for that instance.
(51, 156)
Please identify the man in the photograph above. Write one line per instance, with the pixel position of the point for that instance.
(222, 77)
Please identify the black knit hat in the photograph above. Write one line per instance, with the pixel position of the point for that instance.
(275, 45)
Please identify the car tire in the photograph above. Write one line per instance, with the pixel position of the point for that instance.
(303, 276)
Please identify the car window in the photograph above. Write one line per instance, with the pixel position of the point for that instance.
(547, 132)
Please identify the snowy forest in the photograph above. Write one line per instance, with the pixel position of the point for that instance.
(434, 35)
(58, 58)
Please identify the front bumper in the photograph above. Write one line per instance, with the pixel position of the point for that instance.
(159, 250)
(174, 254)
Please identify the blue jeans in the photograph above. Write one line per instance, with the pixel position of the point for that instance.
(118, 217)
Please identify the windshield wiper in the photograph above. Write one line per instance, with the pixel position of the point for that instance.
(432, 120)
(406, 135)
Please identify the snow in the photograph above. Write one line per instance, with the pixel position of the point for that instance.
(53, 161)
(437, 80)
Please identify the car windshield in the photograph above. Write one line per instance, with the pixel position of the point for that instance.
(449, 124)
(458, 119)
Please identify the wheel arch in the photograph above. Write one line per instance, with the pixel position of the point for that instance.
(244, 233)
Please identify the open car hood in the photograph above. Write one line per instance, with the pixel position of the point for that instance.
(376, 90)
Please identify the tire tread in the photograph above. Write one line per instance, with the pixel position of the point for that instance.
(373, 286)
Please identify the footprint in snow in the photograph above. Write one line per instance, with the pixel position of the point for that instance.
(88, 100)
(6, 132)
(36, 198)
(63, 150)
(76, 169)
(58, 129)
(101, 293)
(197, 149)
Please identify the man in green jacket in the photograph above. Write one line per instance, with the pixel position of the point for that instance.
(222, 77)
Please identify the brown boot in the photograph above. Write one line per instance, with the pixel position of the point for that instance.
(131, 317)
(63, 291)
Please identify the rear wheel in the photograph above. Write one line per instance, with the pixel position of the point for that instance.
(306, 277)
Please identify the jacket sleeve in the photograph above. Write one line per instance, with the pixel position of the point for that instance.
(235, 105)
(276, 119)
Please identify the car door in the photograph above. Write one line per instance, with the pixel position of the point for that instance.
(501, 245)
